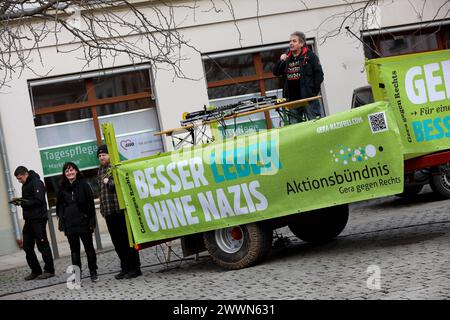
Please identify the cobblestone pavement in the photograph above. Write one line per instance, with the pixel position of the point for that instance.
(408, 241)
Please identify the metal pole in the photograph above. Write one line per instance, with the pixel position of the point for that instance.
(98, 239)
(51, 228)
(169, 249)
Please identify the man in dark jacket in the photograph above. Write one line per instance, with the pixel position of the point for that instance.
(115, 219)
(302, 74)
(34, 207)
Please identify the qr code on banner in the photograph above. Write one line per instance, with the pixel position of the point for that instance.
(378, 122)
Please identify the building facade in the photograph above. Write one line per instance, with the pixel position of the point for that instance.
(57, 118)
(8, 244)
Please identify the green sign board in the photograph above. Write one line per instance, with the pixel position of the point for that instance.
(347, 157)
(84, 155)
(418, 89)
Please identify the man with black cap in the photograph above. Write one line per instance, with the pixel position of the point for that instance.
(115, 219)
(34, 207)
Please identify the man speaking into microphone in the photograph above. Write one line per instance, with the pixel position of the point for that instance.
(303, 75)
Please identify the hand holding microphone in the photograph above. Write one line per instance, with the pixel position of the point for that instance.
(284, 56)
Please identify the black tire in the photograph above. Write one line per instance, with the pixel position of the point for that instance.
(410, 191)
(440, 184)
(320, 226)
(256, 244)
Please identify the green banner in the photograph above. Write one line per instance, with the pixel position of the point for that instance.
(418, 88)
(238, 129)
(84, 155)
(347, 157)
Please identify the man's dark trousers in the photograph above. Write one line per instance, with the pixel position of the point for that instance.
(34, 232)
(129, 257)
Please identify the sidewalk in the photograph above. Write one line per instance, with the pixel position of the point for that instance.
(153, 262)
(17, 260)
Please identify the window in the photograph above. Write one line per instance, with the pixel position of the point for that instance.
(229, 67)
(61, 100)
(230, 90)
(402, 44)
(240, 72)
(384, 43)
(69, 112)
(121, 84)
(59, 93)
(237, 75)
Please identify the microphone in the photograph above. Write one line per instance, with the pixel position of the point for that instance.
(288, 52)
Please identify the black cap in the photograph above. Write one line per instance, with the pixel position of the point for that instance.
(102, 149)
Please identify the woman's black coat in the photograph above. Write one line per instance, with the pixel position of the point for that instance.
(75, 207)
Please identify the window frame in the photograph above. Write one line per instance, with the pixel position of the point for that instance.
(92, 102)
(372, 38)
(260, 76)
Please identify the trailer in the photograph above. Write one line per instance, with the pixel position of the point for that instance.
(227, 196)
(422, 109)
(432, 169)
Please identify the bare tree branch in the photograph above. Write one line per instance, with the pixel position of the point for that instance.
(42, 7)
(259, 23)
(364, 15)
(142, 31)
(350, 16)
(105, 29)
(304, 4)
(229, 4)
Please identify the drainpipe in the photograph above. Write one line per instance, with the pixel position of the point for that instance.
(13, 209)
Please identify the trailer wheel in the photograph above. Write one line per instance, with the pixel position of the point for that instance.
(240, 246)
(320, 226)
(441, 183)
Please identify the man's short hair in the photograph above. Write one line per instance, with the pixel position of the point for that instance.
(300, 35)
(20, 170)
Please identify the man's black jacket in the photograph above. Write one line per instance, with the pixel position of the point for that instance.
(33, 190)
(311, 74)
